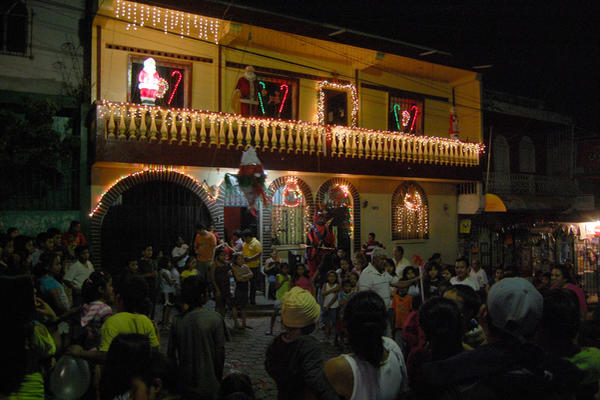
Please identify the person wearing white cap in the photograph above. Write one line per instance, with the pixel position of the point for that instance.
(510, 366)
(294, 358)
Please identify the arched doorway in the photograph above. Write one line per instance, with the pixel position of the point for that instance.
(342, 202)
(147, 207)
(152, 213)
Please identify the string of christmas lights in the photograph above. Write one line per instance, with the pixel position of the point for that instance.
(410, 213)
(348, 87)
(213, 194)
(169, 21)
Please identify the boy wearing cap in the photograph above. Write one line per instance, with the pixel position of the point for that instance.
(510, 366)
(294, 359)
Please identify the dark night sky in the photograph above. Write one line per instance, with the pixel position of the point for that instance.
(547, 50)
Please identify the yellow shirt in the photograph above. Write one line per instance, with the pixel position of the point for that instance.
(187, 273)
(250, 250)
(125, 322)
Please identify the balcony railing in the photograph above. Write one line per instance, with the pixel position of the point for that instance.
(134, 122)
(531, 184)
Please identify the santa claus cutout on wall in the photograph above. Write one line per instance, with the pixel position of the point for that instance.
(149, 82)
(245, 96)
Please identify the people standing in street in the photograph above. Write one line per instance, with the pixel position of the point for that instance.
(78, 272)
(462, 275)
(252, 251)
(282, 284)
(219, 273)
(375, 369)
(478, 274)
(147, 270)
(204, 246)
(370, 245)
(330, 292)
(294, 359)
(197, 344)
(242, 275)
(180, 253)
(400, 261)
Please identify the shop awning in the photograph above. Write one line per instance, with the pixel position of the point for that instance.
(523, 203)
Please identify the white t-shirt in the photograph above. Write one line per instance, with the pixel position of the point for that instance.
(384, 383)
(78, 273)
(379, 282)
(400, 265)
(330, 296)
(480, 276)
(165, 279)
(178, 252)
(467, 281)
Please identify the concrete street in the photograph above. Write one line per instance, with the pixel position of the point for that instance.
(245, 352)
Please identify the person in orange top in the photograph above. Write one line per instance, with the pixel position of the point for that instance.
(204, 245)
(402, 306)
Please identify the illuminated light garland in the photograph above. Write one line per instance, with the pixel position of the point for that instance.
(348, 87)
(283, 85)
(340, 132)
(291, 188)
(405, 118)
(260, 99)
(411, 214)
(213, 195)
(177, 22)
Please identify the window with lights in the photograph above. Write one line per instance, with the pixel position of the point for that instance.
(410, 212)
(173, 82)
(288, 214)
(278, 97)
(405, 114)
(15, 21)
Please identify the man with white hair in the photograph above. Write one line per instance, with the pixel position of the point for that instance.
(376, 278)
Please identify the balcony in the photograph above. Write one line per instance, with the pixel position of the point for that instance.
(531, 184)
(147, 134)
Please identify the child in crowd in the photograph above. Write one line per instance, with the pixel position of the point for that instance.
(302, 280)
(410, 273)
(359, 262)
(272, 267)
(242, 275)
(353, 278)
(283, 286)
(345, 294)
(97, 293)
(50, 288)
(402, 306)
(446, 273)
(330, 292)
(167, 288)
(343, 272)
(468, 303)
(219, 272)
(190, 269)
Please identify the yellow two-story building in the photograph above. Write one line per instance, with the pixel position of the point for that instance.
(359, 131)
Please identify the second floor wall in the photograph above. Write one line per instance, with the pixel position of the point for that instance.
(211, 71)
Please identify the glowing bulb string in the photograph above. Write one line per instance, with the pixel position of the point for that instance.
(283, 85)
(260, 99)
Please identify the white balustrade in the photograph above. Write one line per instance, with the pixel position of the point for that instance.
(134, 122)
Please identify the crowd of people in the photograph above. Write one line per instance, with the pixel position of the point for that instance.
(405, 330)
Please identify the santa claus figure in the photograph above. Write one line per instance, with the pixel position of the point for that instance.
(149, 81)
(245, 96)
(320, 241)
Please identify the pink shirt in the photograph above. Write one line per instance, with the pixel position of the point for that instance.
(304, 283)
(580, 295)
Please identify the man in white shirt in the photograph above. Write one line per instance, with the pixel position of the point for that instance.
(180, 253)
(478, 274)
(462, 275)
(79, 271)
(400, 261)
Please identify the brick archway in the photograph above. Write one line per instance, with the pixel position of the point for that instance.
(137, 178)
(266, 214)
(355, 204)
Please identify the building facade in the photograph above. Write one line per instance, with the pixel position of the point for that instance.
(358, 132)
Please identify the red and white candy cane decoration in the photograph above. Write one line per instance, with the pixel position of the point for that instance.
(176, 85)
(283, 85)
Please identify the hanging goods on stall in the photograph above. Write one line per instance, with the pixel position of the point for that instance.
(250, 178)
